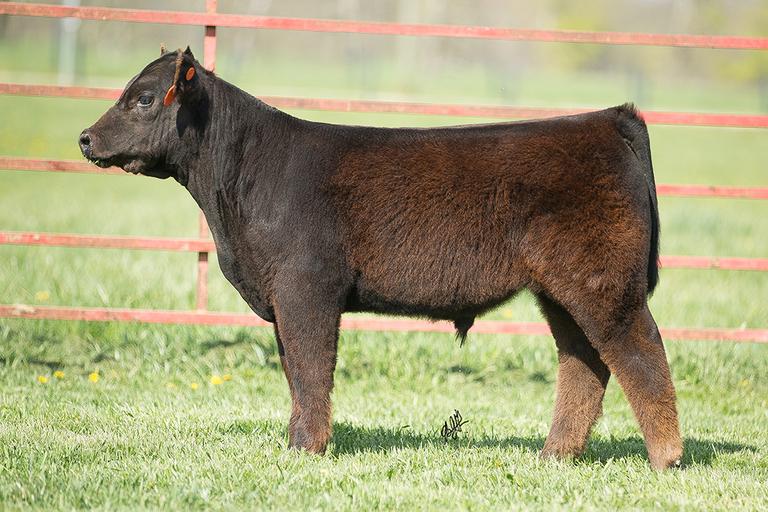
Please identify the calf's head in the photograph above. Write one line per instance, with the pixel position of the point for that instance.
(159, 114)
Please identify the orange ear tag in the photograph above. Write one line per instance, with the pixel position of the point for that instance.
(170, 95)
(190, 74)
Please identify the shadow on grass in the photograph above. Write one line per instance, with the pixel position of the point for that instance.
(351, 439)
(32, 361)
(207, 346)
(696, 452)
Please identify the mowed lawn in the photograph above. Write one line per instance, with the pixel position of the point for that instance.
(112, 416)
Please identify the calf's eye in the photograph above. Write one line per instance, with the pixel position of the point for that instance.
(146, 100)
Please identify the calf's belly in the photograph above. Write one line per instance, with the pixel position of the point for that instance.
(460, 282)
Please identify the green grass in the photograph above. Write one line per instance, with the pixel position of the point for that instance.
(141, 437)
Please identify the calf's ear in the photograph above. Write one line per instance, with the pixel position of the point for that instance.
(186, 87)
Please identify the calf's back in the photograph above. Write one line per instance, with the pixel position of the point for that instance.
(448, 222)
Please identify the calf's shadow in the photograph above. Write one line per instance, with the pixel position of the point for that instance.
(353, 439)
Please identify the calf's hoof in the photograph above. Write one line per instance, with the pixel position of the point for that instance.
(556, 455)
(561, 451)
(310, 441)
(314, 448)
(670, 457)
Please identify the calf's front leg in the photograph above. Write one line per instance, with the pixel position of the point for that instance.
(308, 336)
(295, 411)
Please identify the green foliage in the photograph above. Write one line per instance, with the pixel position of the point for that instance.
(586, 17)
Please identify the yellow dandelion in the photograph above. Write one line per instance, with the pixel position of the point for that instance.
(216, 380)
(226, 377)
(194, 386)
(42, 379)
(94, 377)
(58, 374)
(42, 295)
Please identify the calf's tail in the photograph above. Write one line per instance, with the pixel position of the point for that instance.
(635, 134)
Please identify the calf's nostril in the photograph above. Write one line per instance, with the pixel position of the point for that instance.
(85, 139)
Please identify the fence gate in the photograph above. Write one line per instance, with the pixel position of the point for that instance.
(203, 245)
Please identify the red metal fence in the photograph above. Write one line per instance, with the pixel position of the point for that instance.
(203, 245)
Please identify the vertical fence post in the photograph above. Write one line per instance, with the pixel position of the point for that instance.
(209, 61)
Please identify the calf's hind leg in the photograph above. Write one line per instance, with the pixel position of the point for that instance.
(636, 357)
(581, 381)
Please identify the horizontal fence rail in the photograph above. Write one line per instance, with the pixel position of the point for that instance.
(107, 241)
(203, 246)
(408, 107)
(349, 323)
(382, 28)
(207, 245)
(79, 166)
